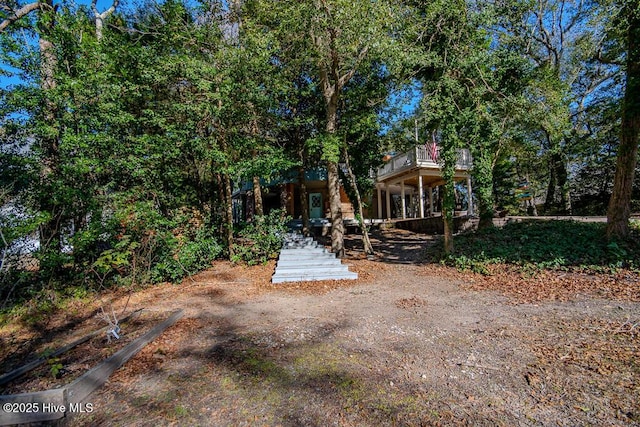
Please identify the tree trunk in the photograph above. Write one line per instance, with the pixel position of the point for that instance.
(99, 21)
(228, 214)
(550, 200)
(448, 204)
(449, 155)
(532, 206)
(284, 200)
(50, 236)
(99, 18)
(258, 208)
(619, 209)
(304, 201)
(564, 206)
(333, 177)
(335, 207)
(368, 248)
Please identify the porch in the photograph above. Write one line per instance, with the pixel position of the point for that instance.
(407, 186)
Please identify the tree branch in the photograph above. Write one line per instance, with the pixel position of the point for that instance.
(23, 11)
(107, 12)
(100, 17)
(346, 77)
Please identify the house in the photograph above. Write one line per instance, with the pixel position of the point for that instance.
(285, 192)
(406, 187)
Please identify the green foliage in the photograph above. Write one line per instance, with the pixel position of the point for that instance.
(55, 366)
(187, 258)
(120, 160)
(543, 245)
(261, 240)
(151, 247)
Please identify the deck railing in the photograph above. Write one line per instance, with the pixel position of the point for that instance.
(421, 156)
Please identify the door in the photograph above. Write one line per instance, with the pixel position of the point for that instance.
(315, 205)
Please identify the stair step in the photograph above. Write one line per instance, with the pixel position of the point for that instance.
(314, 270)
(281, 278)
(307, 255)
(301, 259)
(309, 262)
(300, 245)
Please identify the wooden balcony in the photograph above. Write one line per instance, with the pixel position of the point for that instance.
(421, 158)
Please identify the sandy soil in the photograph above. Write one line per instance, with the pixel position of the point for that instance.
(408, 343)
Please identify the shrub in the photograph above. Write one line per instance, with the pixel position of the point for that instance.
(187, 258)
(148, 247)
(261, 239)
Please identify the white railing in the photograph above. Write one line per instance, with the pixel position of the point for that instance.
(427, 155)
(422, 156)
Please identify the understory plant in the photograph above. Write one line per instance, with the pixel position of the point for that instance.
(261, 239)
(543, 245)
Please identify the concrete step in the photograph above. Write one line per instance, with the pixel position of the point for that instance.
(309, 262)
(296, 277)
(298, 245)
(301, 259)
(334, 269)
(306, 255)
(305, 249)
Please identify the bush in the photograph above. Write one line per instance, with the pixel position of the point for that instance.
(261, 240)
(148, 247)
(187, 258)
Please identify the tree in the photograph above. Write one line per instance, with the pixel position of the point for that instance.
(560, 39)
(336, 38)
(46, 116)
(618, 212)
(461, 96)
(47, 139)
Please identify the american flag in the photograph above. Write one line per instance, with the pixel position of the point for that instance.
(432, 150)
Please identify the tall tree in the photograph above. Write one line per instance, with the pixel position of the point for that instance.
(47, 139)
(48, 115)
(618, 212)
(559, 38)
(337, 38)
(460, 95)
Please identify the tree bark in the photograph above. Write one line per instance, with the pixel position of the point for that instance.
(335, 208)
(18, 14)
(304, 201)
(284, 200)
(257, 198)
(100, 17)
(50, 234)
(550, 199)
(331, 94)
(449, 156)
(564, 206)
(368, 248)
(619, 209)
(448, 204)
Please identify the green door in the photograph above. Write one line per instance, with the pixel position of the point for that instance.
(315, 205)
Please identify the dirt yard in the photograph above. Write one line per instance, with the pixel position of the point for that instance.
(408, 343)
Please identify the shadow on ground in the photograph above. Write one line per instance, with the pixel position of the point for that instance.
(393, 246)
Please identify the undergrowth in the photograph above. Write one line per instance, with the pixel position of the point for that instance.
(261, 240)
(533, 245)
